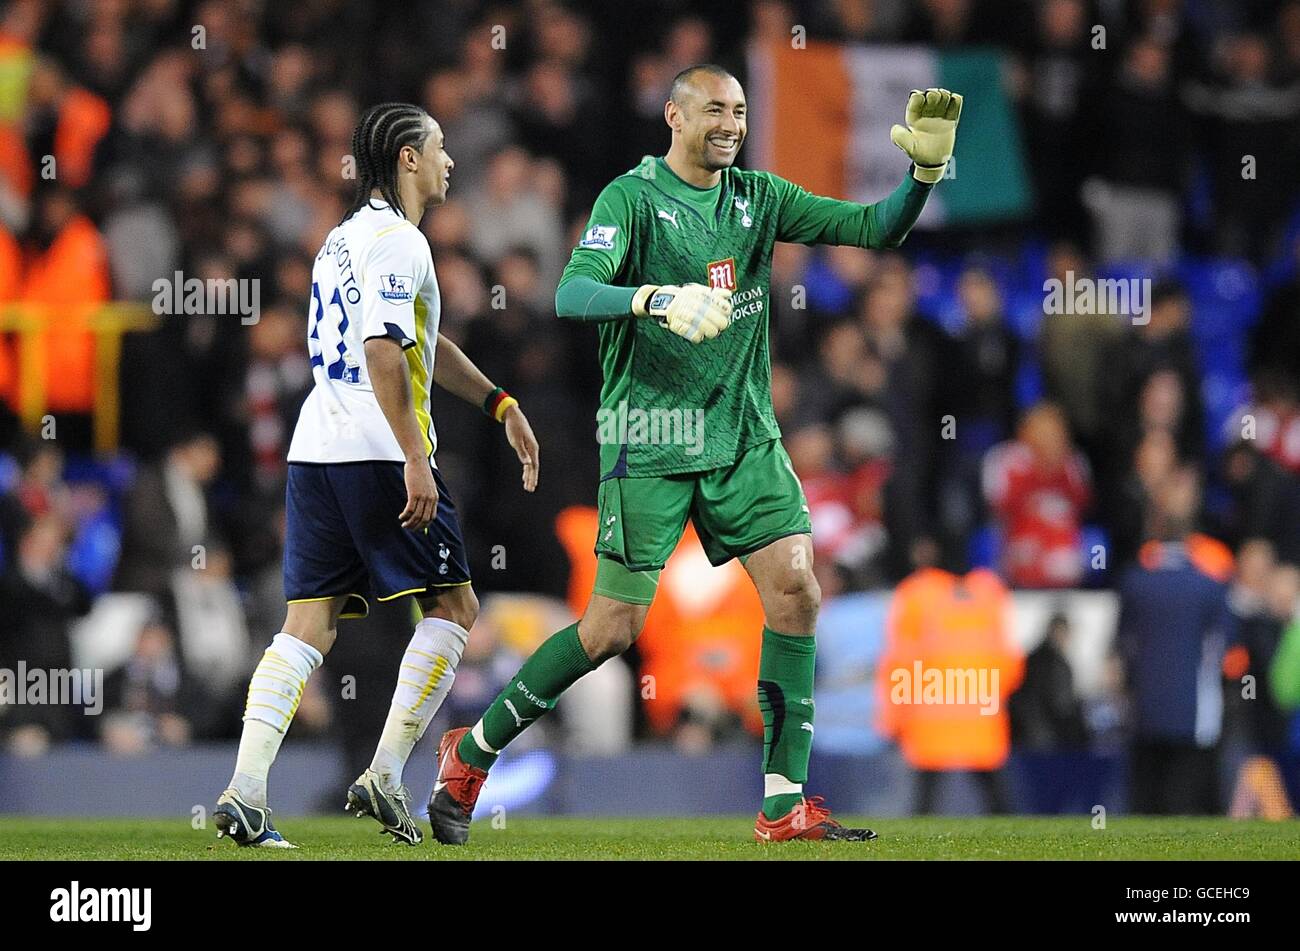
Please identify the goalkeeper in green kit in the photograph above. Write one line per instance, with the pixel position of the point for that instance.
(673, 272)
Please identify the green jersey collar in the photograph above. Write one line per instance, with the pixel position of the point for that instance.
(703, 200)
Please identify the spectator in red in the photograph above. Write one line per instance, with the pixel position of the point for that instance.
(812, 450)
(40, 488)
(1038, 487)
(1271, 420)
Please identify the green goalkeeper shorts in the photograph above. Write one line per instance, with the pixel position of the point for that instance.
(737, 510)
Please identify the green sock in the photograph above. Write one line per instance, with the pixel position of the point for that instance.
(530, 695)
(785, 697)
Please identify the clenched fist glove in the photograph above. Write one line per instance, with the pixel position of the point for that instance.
(930, 133)
(692, 311)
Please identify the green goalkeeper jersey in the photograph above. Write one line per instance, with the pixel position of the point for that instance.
(668, 406)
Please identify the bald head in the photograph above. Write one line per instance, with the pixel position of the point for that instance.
(707, 112)
(685, 83)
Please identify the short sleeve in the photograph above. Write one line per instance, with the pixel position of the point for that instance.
(395, 269)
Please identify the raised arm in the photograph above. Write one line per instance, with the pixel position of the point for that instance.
(928, 139)
(814, 219)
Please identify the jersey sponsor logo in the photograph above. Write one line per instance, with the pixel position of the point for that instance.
(667, 217)
(722, 274)
(599, 236)
(747, 303)
(396, 288)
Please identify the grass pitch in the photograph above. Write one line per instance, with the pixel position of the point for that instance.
(670, 838)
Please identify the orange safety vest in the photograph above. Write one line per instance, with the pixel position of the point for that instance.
(15, 163)
(11, 275)
(70, 280)
(949, 665)
(1209, 556)
(84, 119)
(703, 632)
(1213, 559)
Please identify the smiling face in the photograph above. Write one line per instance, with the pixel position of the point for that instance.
(708, 118)
(431, 166)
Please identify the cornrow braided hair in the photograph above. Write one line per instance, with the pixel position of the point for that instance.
(376, 142)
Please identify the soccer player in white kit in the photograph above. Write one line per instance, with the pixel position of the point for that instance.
(367, 513)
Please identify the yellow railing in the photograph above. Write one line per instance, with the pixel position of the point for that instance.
(108, 322)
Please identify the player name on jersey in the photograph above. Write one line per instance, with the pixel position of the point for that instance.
(373, 277)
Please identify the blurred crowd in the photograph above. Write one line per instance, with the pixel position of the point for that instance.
(140, 138)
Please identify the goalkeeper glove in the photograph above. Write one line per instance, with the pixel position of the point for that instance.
(930, 133)
(692, 311)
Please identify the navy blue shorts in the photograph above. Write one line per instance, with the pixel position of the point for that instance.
(343, 537)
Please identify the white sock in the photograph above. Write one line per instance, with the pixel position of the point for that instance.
(480, 740)
(273, 696)
(774, 784)
(423, 682)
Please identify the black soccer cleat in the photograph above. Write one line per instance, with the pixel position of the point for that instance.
(451, 807)
(368, 797)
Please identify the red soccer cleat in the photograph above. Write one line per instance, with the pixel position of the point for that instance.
(452, 804)
(808, 821)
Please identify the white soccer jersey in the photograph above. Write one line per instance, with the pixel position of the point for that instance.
(373, 278)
